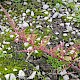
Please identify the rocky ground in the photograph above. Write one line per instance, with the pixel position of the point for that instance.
(61, 19)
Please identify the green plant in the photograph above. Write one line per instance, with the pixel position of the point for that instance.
(56, 64)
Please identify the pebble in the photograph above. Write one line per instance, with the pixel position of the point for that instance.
(24, 25)
(28, 10)
(69, 28)
(32, 13)
(24, 14)
(65, 34)
(55, 15)
(45, 6)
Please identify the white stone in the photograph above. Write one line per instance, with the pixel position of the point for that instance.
(11, 36)
(53, 10)
(38, 0)
(7, 30)
(48, 43)
(23, 14)
(5, 68)
(69, 1)
(69, 28)
(67, 44)
(26, 44)
(2, 46)
(45, 18)
(55, 15)
(37, 67)
(73, 32)
(46, 12)
(36, 51)
(32, 75)
(2, 32)
(6, 42)
(12, 76)
(32, 13)
(24, 25)
(56, 33)
(0, 49)
(7, 76)
(62, 24)
(21, 74)
(30, 48)
(25, 3)
(14, 69)
(38, 26)
(50, 20)
(69, 17)
(57, 5)
(28, 10)
(67, 24)
(9, 48)
(4, 51)
(45, 6)
(60, 15)
(63, 72)
(78, 33)
(66, 77)
(65, 34)
(38, 17)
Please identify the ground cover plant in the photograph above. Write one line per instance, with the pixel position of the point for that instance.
(21, 44)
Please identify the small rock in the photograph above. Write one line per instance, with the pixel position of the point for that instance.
(24, 14)
(12, 76)
(32, 13)
(45, 6)
(55, 15)
(28, 10)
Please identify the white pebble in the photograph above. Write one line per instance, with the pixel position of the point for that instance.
(78, 33)
(71, 43)
(26, 44)
(65, 34)
(46, 12)
(32, 75)
(9, 48)
(32, 13)
(45, 6)
(73, 32)
(7, 76)
(67, 44)
(28, 10)
(21, 74)
(63, 72)
(24, 14)
(62, 24)
(36, 51)
(66, 77)
(25, 3)
(14, 69)
(55, 15)
(50, 20)
(56, 33)
(30, 48)
(11, 36)
(4, 51)
(24, 25)
(12, 76)
(45, 18)
(69, 28)
(38, 26)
